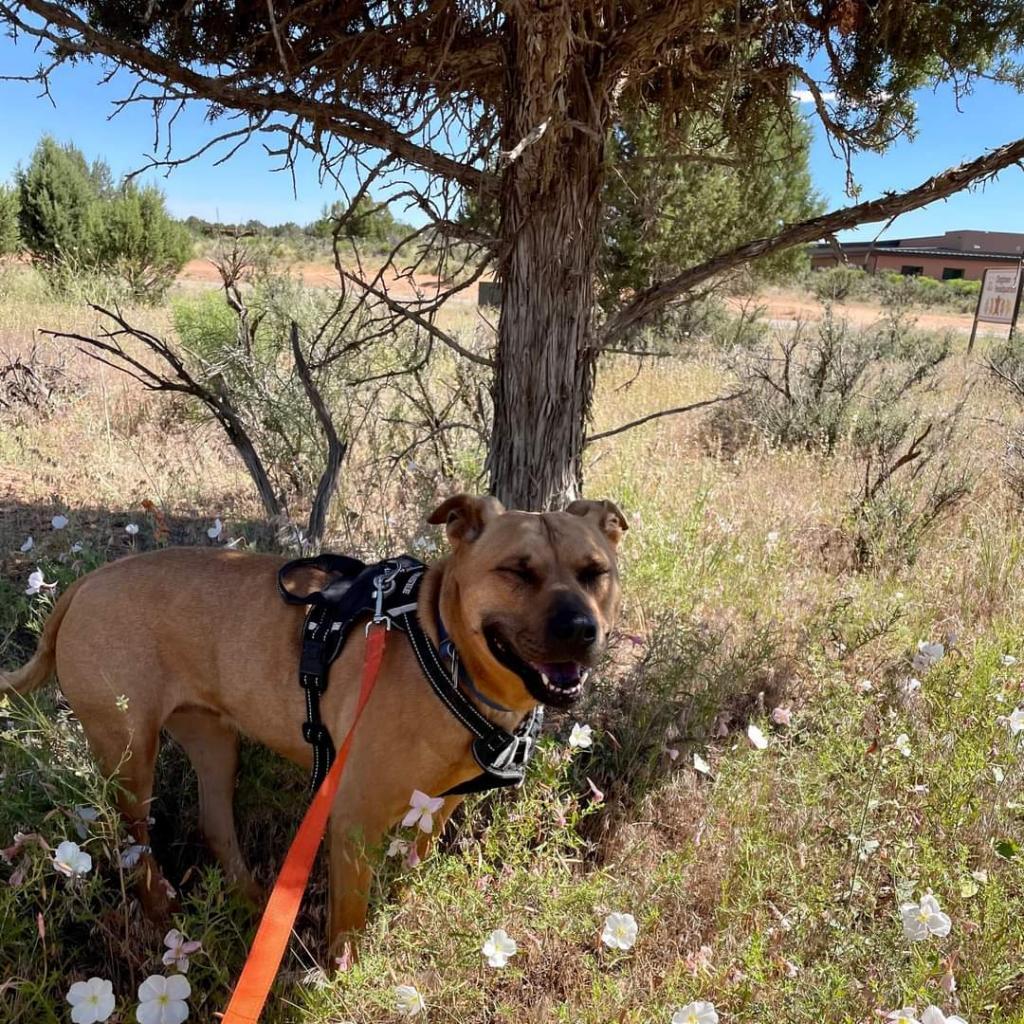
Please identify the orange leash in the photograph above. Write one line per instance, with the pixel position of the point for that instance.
(275, 928)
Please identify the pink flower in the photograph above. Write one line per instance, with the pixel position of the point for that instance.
(179, 949)
(422, 809)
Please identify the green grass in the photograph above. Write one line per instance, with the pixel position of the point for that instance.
(759, 888)
(760, 864)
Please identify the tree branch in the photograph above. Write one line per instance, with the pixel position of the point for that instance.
(214, 396)
(336, 448)
(665, 412)
(410, 314)
(335, 117)
(653, 299)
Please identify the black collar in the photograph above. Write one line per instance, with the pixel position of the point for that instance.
(388, 591)
(458, 672)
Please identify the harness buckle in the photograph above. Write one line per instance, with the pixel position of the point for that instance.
(383, 585)
(524, 749)
(315, 733)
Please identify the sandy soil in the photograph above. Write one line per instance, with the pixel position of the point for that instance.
(202, 273)
(783, 306)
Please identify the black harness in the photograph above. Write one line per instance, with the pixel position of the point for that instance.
(387, 592)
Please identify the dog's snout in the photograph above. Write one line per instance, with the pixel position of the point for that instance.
(572, 627)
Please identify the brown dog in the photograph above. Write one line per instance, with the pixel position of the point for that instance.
(199, 643)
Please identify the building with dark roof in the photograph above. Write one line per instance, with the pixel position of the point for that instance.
(955, 255)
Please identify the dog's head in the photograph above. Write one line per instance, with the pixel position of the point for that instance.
(529, 598)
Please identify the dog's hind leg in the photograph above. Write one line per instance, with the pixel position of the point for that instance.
(125, 749)
(212, 747)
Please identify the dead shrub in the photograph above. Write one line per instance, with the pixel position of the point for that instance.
(34, 385)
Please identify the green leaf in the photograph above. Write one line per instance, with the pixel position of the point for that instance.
(1006, 848)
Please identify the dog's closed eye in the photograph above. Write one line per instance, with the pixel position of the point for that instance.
(591, 574)
(521, 572)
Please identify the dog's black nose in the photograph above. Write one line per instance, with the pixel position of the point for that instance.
(572, 627)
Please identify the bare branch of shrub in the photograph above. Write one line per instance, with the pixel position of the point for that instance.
(678, 410)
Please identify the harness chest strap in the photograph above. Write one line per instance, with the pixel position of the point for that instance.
(271, 941)
(388, 591)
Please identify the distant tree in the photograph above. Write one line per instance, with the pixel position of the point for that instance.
(72, 214)
(58, 204)
(102, 179)
(673, 200)
(10, 237)
(141, 242)
(369, 221)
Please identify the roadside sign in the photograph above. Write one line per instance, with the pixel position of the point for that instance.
(999, 300)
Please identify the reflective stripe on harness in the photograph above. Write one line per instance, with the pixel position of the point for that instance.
(387, 591)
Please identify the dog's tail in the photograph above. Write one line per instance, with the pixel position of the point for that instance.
(33, 674)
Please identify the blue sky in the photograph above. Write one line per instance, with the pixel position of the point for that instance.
(246, 185)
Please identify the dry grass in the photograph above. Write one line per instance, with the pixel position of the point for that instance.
(741, 595)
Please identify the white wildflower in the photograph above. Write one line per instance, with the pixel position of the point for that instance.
(162, 1000)
(699, 1012)
(408, 1001)
(620, 931)
(498, 948)
(37, 582)
(71, 860)
(758, 740)
(581, 737)
(422, 809)
(179, 949)
(933, 1015)
(92, 1001)
(924, 919)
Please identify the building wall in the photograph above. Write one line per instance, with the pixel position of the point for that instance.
(931, 266)
(885, 260)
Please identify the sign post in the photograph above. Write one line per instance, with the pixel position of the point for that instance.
(999, 300)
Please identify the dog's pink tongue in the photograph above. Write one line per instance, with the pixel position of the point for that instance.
(561, 672)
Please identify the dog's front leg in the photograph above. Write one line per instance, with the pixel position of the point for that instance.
(440, 821)
(352, 844)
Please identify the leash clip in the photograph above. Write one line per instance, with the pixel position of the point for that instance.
(383, 585)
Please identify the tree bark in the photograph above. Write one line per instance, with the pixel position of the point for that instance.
(553, 141)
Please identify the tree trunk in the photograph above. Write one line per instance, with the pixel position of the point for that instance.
(550, 207)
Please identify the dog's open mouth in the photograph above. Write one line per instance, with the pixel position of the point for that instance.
(558, 684)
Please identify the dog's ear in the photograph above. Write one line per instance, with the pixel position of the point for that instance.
(606, 515)
(465, 517)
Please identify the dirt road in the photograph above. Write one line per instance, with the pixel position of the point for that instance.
(201, 273)
(782, 307)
